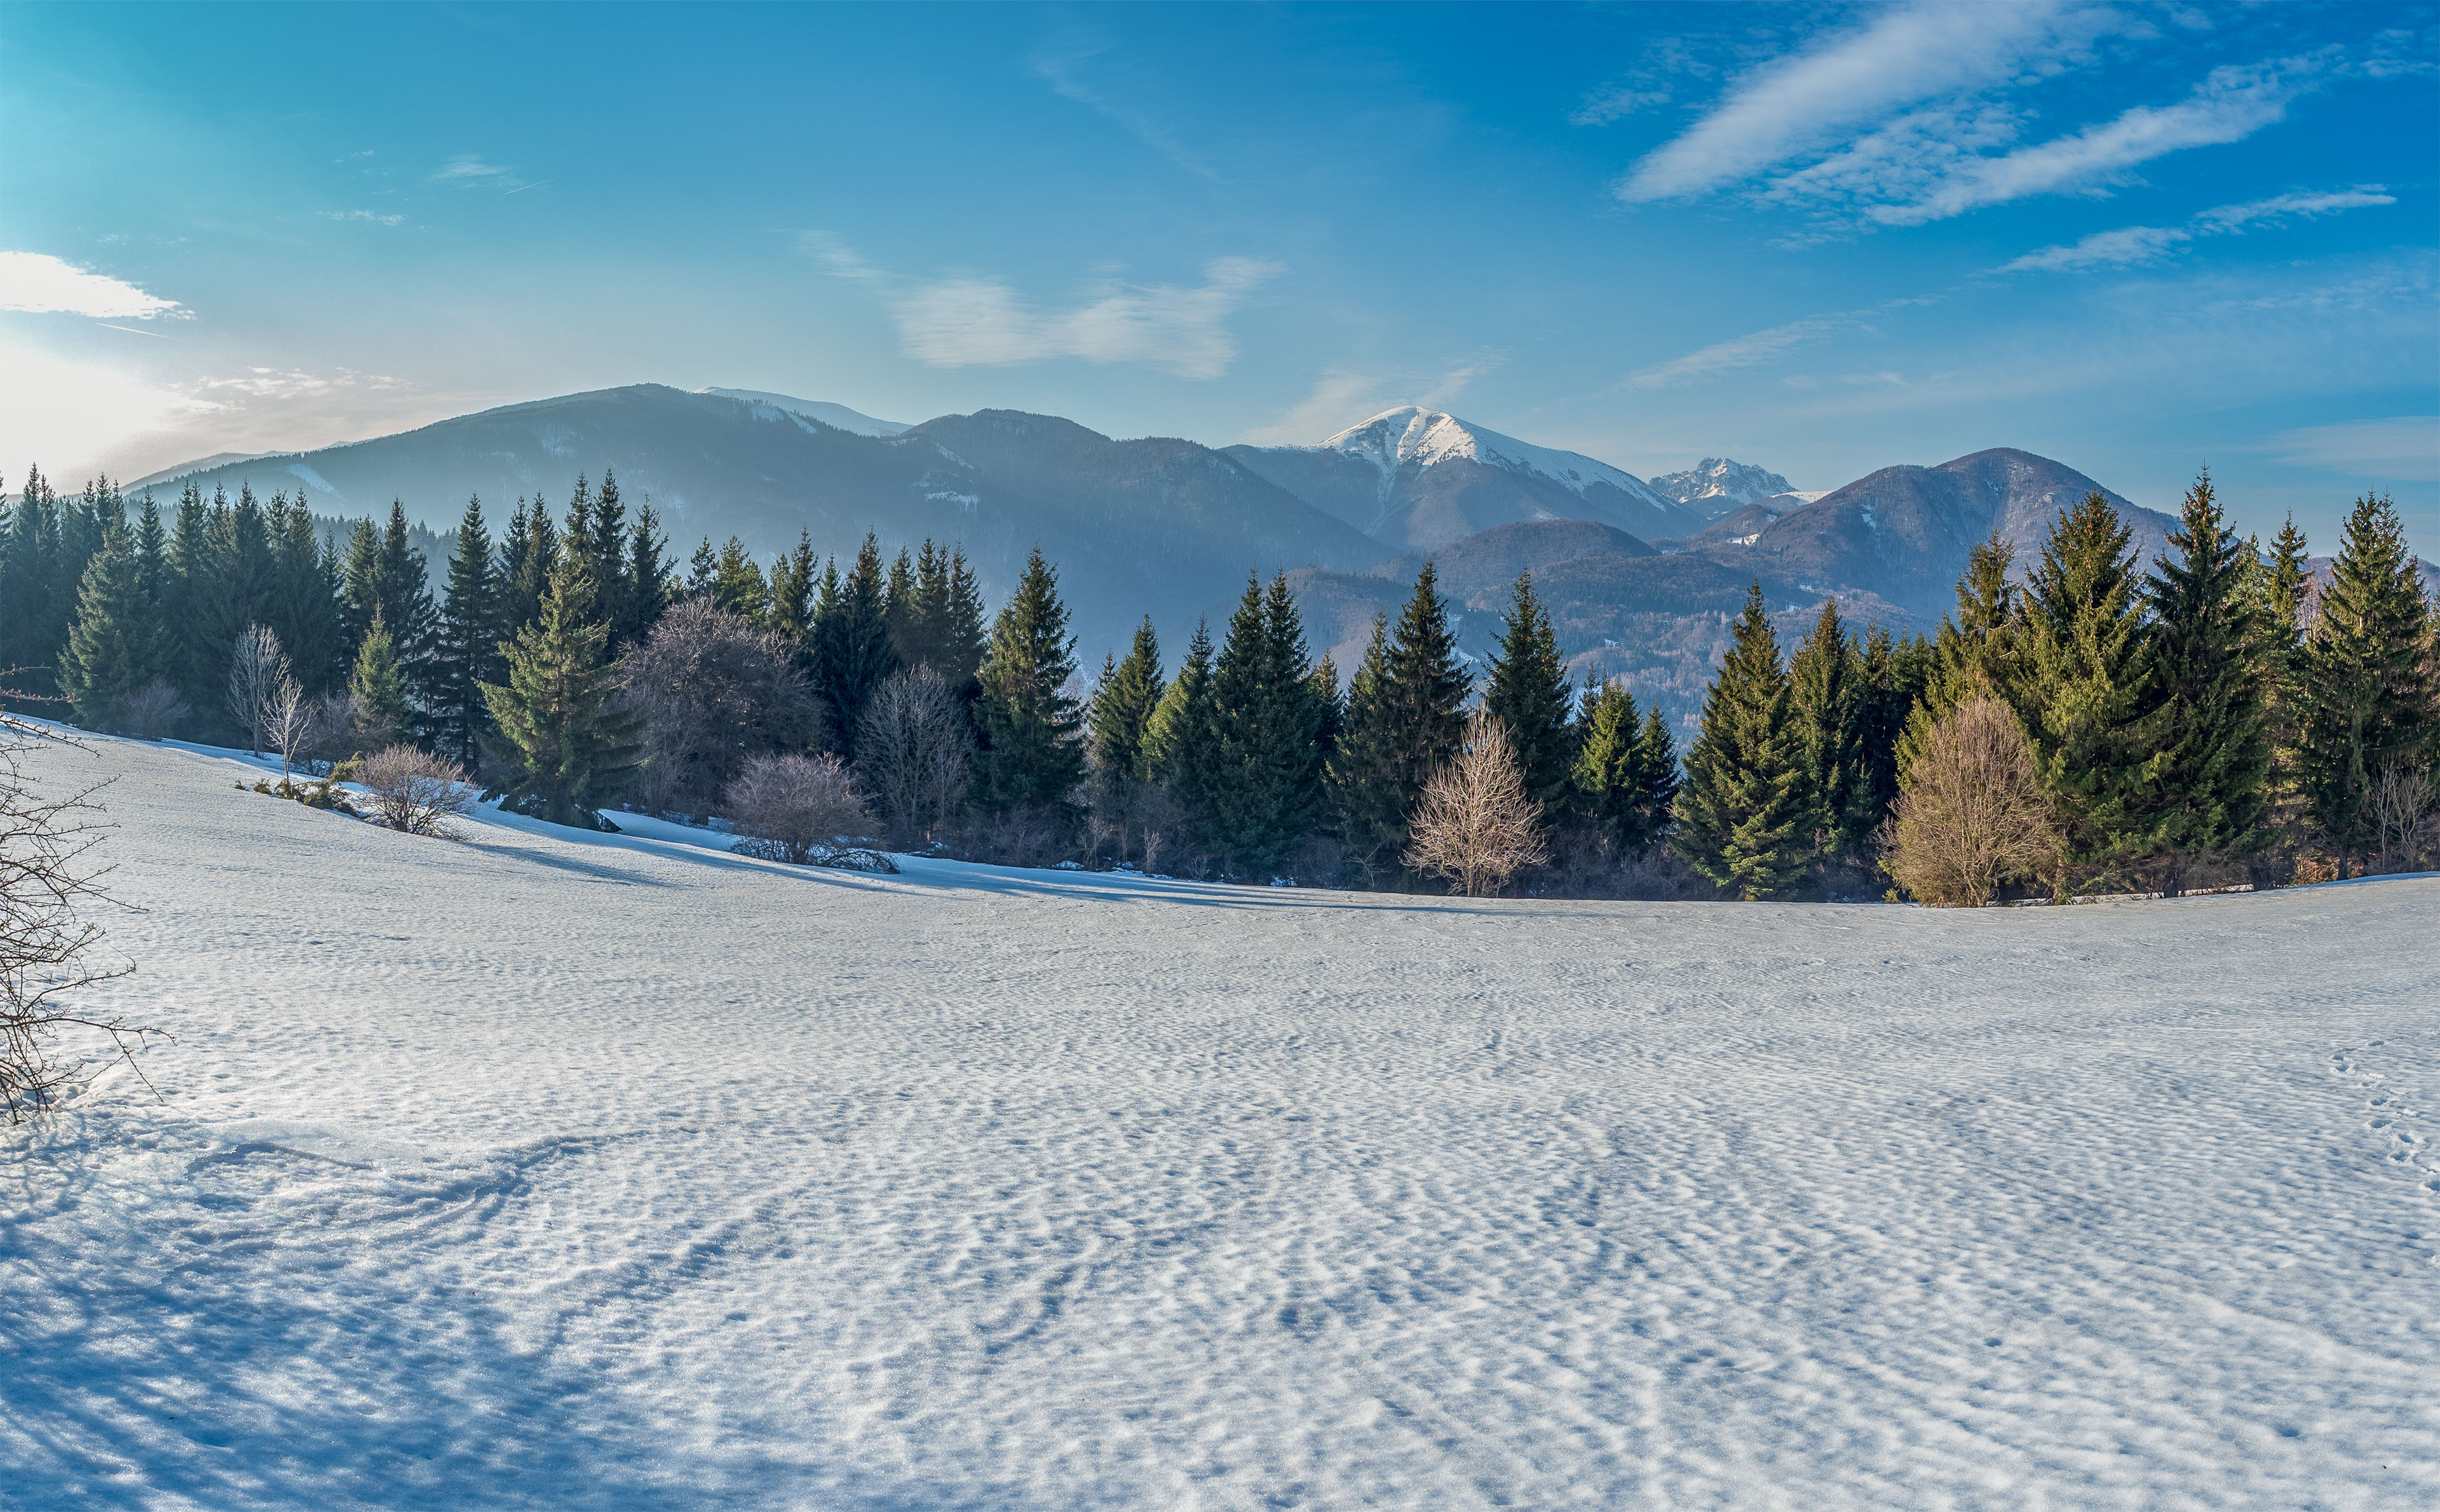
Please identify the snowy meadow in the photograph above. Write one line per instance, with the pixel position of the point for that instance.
(543, 1169)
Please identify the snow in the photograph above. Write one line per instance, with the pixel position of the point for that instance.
(311, 477)
(1396, 437)
(540, 1169)
(837, 417)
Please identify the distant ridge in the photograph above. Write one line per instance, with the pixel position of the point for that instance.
(839, 417)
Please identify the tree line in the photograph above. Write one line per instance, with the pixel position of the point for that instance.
(2218, 713)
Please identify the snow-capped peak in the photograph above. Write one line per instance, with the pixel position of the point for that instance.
(1718, 478)
(1410, 434)
(837, 417)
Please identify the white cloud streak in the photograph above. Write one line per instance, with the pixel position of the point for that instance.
(2134, 244)
(369, 217)
(2405, 448)
(37, 283)
(468, 171)
(982, 323)
(1758, 350)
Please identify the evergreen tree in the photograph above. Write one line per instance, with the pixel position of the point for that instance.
(2368, 695)
(792, 596)
(900, 608)
(1123, 709)
(1656, 775)
(385, 573)
(110, 650)
(26, 581)
(1032, 757)
(852, 653)
(377, 684)
(2277, 589)
(605, 561)
(152, 547)
(1744, 810)
(703, 571)
(572, 749)
(1828, 687)
(193, 668)
(240, 587)
(305, 595)
(1626, 772)
(527, 556)
(2085, 689)
(1178, 738)
(1976, 652)
(651, 582)
(465, 651)
(1404, 718)
(1895, 672)
(1529, 692)
(737, 584)
(2208, 772)
(1266, 724)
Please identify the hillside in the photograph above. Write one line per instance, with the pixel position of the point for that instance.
(548, 1170)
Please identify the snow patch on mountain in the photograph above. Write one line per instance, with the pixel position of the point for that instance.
(1394, 438)
(837, 417)
(1722, 484)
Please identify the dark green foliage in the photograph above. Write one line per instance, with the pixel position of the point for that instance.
(1123, 709)
(1828, 688)
(47, 543)
(1031, 755)
(792, 596)
(385, 574)
(1404, 717)
(852, 651)
(2367, 689)
(737, 586)
(1895, 673)
(1529, 692)
(527, 554)
(2209, 771)
(112, 650)
(1178, 738)
(304, 598)
(466, 642)
(2085, 690)
(651, 582)
(377, 686)
(1265, 790)
(938, 623)
(1625, 776)
(572, 750)
(1744, 811)
(1976, 652)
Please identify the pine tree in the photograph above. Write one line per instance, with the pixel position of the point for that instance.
(527, 556)
(1031, 755)
(1529, 692)
(605, 561)
(110, 650)
(2208, 772)
(2368, 695)
(2277, 590)
(572, 749)
(1123, 708)
(2085, 689)
(1404, 718)
(1744, 810)
(1895, 672)
(1178, 738)
(650, 580)
(852, 654)
(1267, 756)
(1976, 652)
(703, 571)
(1626, 772)
(305, 596)
(900, 608)
(737, 584)
(465, 650)
(193, 668)
(792, 596)
(377, 686)
(1827, 686)
(1656, 775)
(956, 637)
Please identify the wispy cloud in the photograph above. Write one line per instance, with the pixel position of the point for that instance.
(370, 217)
(37, 283)
(1342, 397)
(837, 258)
(1090, 73)
(1757, 349)
(982, 323)
(2134, 244)
(1615, 103)
(468, 171)
(2405, 448)
(290, 383)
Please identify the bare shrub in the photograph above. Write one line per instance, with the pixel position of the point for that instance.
(1474, 824)
(2402, 795)
(796, 808)
(914, 752)
(715, 692)
(45, 874)
(415, 791)
(152, 711)
(293, 724)
(256, 667)
(1974, 818)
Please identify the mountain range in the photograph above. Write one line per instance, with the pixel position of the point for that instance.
(1641, 577)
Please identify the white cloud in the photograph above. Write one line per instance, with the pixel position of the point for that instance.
(69, 415)
(981, 323)
(1903, 57)
(1614, 102)
(2134, 244)
(1339, 399)
(468, 171)
(1065, 67)
(2405, 448)
(282, 384)
(37, 283)
(837, 258)
(372, 217)
(1757, 349)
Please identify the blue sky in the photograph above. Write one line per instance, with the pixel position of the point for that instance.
(2131, 237)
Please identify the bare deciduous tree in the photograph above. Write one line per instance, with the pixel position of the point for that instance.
(1974, 816)
(1474, 824)
(796, 808)
(2402, 795)
(44, 876)
(414, 791)
(715, 692)
(256, 667)
(152, 711)
(293, 722)
(914, 752)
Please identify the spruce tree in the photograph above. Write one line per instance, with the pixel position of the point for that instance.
(111, 651)
(1744, 811)
(1828, 694)
(1976, 650)
(1031, 755)
(194, 670)
(2085, 689)
(651, 580)
(377, 687)
(737, 584)
(958, 635)
(1404, 718)
(1895, 674)
(305, 607)
(792, 596)
(1529, 692)
(2209, 770)
(1267, 758)
(526, 558)
(2368, 694)
(900, 608)
(2277, 589)
(1178, 738)
(1130, 691)
(1626, 773)
(465, 650)
(605, 561)
(852, 654)
(1656, 775)
(571, 748)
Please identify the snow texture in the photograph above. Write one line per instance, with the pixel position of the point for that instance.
(541, 1169)
(1720, 479)
(1394, 439)
(837, 417)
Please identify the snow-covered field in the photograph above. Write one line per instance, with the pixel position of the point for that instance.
(537, 1169)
